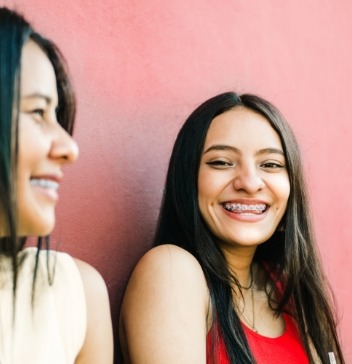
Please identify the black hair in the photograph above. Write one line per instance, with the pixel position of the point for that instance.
(15, 31)
(290, 253)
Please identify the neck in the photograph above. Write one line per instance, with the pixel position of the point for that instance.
(240, 262)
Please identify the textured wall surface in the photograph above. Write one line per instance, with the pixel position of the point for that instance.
(140, 67)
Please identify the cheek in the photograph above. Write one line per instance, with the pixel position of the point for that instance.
(286, 189)
(283, 192)
(34, 148)
(202, 183)
(206, 195)
(204, 192)
(210, 184)
(23, 174)
(201, 201)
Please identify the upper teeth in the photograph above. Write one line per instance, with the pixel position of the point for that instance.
(45, 183)
(243, 207)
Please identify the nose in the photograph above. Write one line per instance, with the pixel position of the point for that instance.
(248, 179)
(64, 147)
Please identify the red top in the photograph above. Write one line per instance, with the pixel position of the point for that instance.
(286, 348)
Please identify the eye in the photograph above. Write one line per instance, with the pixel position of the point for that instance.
(220, 164)
(272, 165)
(38, 112)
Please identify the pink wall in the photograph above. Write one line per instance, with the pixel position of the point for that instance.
(140, 69)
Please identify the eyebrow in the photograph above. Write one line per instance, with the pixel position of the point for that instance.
(230, 148)
(222, 147)
(270, 151)
(38, 95)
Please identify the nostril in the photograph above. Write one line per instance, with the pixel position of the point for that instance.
(249, 183)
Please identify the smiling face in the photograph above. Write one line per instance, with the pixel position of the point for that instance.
(44, 146)
(243, 184)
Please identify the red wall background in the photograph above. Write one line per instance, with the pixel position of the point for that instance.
(140, 67)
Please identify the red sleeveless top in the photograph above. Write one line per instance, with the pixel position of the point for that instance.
(285, 349)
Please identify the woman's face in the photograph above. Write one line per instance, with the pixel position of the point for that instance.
(44, 146)
(243, 184)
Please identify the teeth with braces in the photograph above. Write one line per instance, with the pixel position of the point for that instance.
(243, 207)
(45, 183)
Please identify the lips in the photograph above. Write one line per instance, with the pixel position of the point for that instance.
(245, 208)
(46, 187)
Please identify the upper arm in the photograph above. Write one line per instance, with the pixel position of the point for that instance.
(164, 312)
(98, 344)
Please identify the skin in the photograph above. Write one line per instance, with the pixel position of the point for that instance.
(44, 149)
(242, 162)
(166, 313)
(163, 316)
(44, 146)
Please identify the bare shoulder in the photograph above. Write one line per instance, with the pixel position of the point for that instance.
(98, 344)
(164, 312)
(168, 269)
(169, 259)
(93, 282)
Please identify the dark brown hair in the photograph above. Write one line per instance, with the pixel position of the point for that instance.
(15, 32)
(290, 254)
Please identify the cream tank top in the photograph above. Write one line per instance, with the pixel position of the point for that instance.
(52, 329)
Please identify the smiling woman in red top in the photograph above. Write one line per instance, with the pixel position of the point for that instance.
(234, 276)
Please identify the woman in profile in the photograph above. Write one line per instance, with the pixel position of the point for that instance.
(49, 301)
(234, 276)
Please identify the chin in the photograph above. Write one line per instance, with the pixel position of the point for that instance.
(46, 230)
(42, 229)
(248, 240)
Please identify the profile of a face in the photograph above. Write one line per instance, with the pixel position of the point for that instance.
(44, 146)
(243, 183)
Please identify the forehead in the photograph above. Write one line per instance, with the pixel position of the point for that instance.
(37, 72)
(242, 128)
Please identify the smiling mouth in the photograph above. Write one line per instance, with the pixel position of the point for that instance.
(44, 183)
(239, 208)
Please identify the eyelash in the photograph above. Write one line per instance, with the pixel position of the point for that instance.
(220, 164)
(272, 165)
(39, 112)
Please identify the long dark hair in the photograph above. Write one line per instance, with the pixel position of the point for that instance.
(15, 31)
(290, 254)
